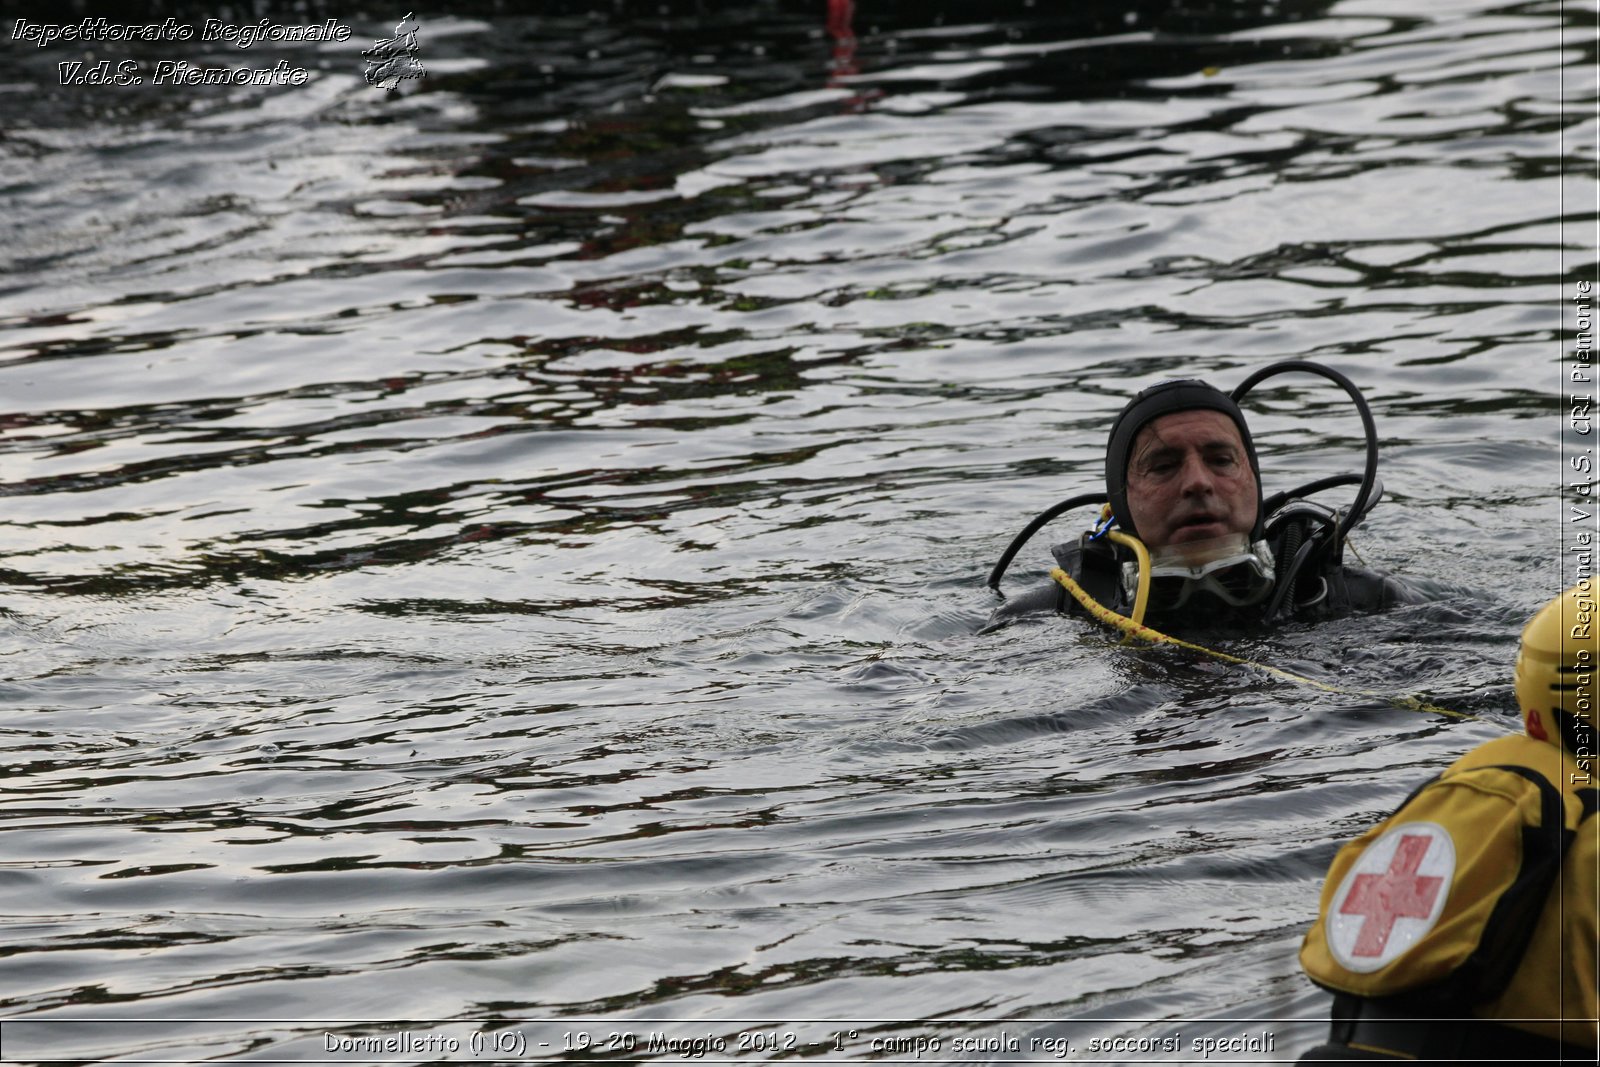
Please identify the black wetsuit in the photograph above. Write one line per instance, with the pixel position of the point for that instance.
(1322, 591)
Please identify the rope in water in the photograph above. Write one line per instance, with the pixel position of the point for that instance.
(1131, 628)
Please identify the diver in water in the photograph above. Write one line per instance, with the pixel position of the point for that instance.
(1463, 927)
(1186, 534)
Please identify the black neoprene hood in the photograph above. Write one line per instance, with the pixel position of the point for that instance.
(1164, 398)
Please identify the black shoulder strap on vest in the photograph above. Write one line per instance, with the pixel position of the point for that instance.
(1511, 924)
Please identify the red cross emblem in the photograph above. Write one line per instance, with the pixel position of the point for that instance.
(1392, 896)
(1397, 893)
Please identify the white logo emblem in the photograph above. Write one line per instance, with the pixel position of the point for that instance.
(1391, 897)
(394, 60)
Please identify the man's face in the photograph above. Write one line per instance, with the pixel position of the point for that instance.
(1189, 479)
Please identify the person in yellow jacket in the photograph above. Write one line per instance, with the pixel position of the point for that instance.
(1463, 927)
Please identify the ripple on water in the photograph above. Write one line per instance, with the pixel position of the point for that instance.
(514, 548)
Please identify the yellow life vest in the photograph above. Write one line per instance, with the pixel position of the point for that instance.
(1476, 897)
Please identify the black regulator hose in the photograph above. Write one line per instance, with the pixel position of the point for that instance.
(1033, 527)
(1333, 481)
(1366, 496)
(1288, 575)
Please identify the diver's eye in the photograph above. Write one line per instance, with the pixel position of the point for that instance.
(1160, 465)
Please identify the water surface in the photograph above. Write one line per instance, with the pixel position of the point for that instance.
(514, 549)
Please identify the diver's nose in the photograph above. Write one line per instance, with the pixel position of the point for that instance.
(1197, 478)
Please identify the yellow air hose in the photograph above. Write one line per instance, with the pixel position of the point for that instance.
(1142, 597)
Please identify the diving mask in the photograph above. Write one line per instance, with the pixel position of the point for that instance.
(1230, 568)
